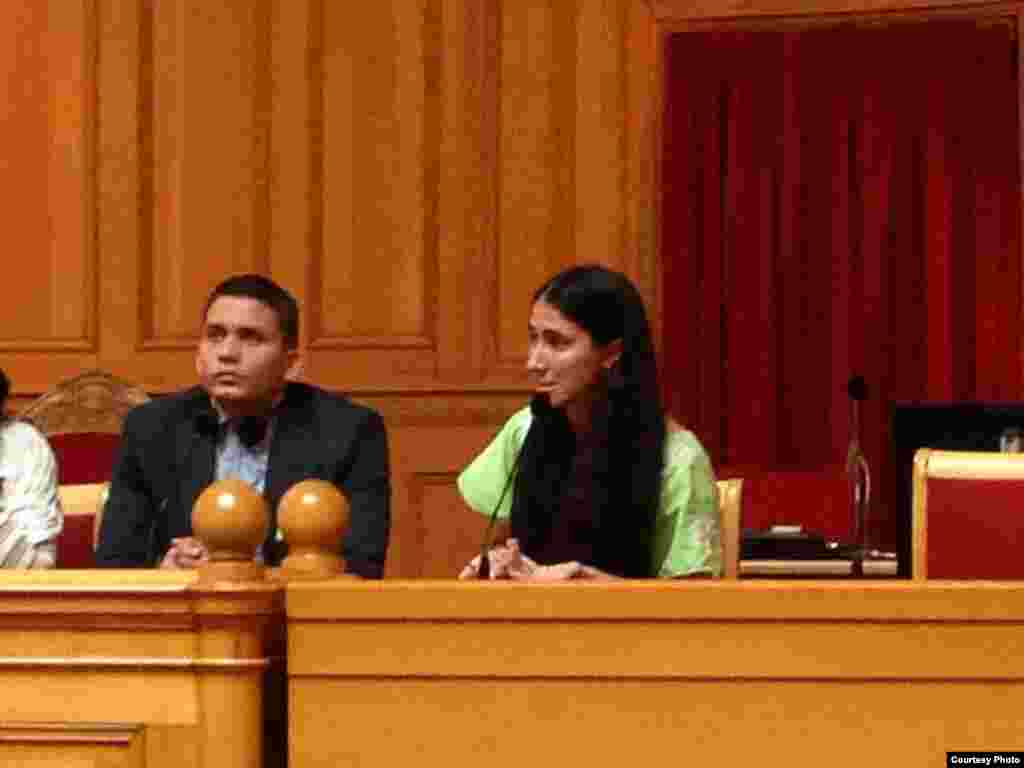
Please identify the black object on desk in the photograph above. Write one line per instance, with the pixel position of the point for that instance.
(790, 543)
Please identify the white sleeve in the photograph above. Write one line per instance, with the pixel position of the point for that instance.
(28, 471)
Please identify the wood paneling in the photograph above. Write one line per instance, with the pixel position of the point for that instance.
(410, 169)
(208, 131)
(536, 167)
(133, 668)
(184, 171)
(35, 745)
(47, 186)
(628, 672)
(434, 533)
(375, 258)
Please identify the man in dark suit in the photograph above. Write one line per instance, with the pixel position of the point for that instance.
(246, 420)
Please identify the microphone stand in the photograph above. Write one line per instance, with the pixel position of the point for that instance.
(858, 476)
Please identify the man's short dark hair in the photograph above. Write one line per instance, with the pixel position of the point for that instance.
(270, 293)
(5, 390)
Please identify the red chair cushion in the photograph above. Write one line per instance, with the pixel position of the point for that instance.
(82, 457)
(974, 528)
(74, 544)
(816, 499)
(85, 457)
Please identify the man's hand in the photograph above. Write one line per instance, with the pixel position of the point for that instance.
(186, 552)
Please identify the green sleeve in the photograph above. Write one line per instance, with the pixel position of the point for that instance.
(686, 537)
(481, 483)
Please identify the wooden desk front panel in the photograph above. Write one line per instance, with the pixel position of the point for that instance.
(797, 673)
(132, 668)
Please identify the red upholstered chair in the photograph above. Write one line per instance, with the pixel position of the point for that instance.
(82, 419)
(968, 515)
(817, 499)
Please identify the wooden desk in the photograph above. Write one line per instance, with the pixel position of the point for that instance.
(133, 668)
(799, 673)
(802, 569)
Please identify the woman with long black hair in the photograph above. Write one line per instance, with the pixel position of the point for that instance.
(602, 484)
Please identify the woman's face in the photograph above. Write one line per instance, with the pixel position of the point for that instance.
(564, 360)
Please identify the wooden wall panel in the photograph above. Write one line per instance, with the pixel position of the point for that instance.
(357, 229)
(536, 168)
(375, 269)
(209, 135)
(186, 134)
(39, 745)
(47, 189)
(410, 169)
(600, 166)
(563, 153)
(432, 438)
(205, 97)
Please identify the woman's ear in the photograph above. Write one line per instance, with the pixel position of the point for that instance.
(612, 353)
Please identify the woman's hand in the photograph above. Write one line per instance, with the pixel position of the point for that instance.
(507, 561)
(498, 558)
(522, 568)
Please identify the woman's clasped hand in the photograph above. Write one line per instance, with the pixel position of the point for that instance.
(507, 561)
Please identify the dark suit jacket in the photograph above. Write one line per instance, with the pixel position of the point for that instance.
(167, 456)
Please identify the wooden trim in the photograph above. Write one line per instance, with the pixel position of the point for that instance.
(968, 465)
(70, 733)
(372, 342)
(59, 663)
(919, 516)
(667, 11)
(759, 600)
(125, 194)
(1020, 168)
(951, 465)
(788, 569)
(730, 493)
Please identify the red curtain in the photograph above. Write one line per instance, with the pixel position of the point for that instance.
(838, 200)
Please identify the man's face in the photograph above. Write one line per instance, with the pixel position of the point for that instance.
(242, 359)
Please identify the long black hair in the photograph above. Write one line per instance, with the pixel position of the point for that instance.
(627, 430)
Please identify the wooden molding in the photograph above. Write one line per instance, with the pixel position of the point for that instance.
(122, 734)
(441, 409)
(667, 11)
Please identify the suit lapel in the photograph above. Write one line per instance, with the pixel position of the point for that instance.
(194, 467)
(290, 458)
(288, 461)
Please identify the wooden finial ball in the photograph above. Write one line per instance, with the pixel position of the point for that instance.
(230, 518)
(314, 515)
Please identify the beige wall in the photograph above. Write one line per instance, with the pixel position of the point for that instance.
(410, 169)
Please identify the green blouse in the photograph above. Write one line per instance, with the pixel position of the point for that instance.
(686, 534)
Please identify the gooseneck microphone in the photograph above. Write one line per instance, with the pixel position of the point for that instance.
(857, 472)
(484, 571)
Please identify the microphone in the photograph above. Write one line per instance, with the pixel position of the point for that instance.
(484, 571)
(857, 471)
